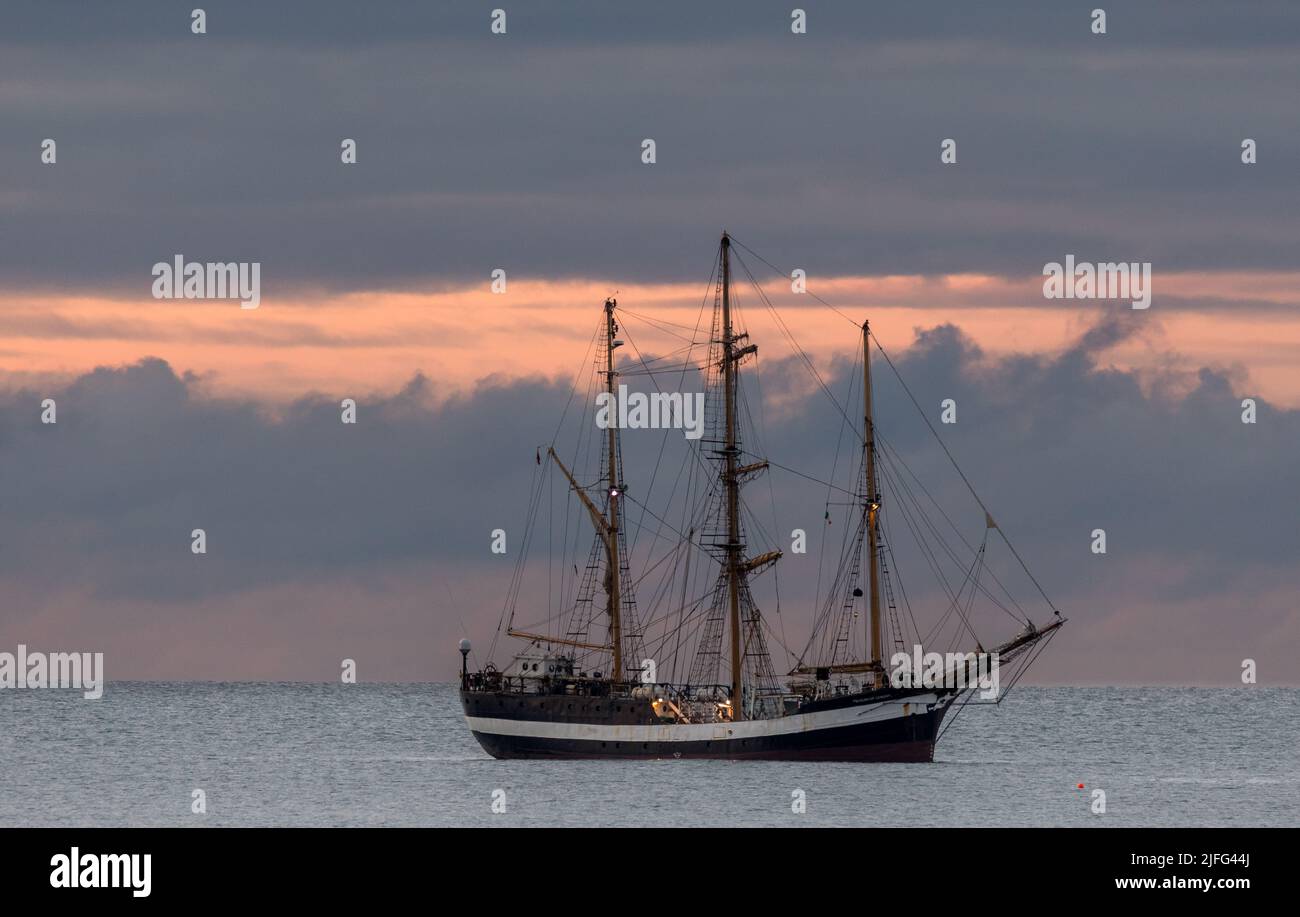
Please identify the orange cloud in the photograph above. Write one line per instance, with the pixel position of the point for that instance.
(358, 342)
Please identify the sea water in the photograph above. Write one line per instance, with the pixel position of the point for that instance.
(400, 754)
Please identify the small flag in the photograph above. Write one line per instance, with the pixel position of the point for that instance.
(988, 521)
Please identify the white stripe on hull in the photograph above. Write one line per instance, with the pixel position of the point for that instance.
(870, 712)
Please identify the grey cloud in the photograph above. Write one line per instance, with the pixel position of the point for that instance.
(820, 149)
(1198, 507)
(1258, 23)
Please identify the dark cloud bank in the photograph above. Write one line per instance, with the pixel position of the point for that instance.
(823, 148)
(371, 541)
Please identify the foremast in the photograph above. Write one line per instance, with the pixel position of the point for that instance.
(871, 507)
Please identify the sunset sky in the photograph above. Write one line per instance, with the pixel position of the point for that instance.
(1246, 324)
(522, 152)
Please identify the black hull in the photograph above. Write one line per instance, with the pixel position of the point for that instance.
(906, 738)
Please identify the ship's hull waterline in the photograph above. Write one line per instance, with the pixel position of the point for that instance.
(895, 730)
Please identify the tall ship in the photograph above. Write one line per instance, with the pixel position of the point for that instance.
(634, 604)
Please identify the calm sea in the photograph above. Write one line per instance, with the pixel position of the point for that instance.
(314, 754)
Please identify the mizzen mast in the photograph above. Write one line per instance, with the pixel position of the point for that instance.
(614, 491)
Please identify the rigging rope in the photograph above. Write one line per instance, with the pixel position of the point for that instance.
(961, 473)
(916, 403)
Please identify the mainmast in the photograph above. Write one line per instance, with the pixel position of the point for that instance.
(731, 482)
(611, 541)
(871, 506)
